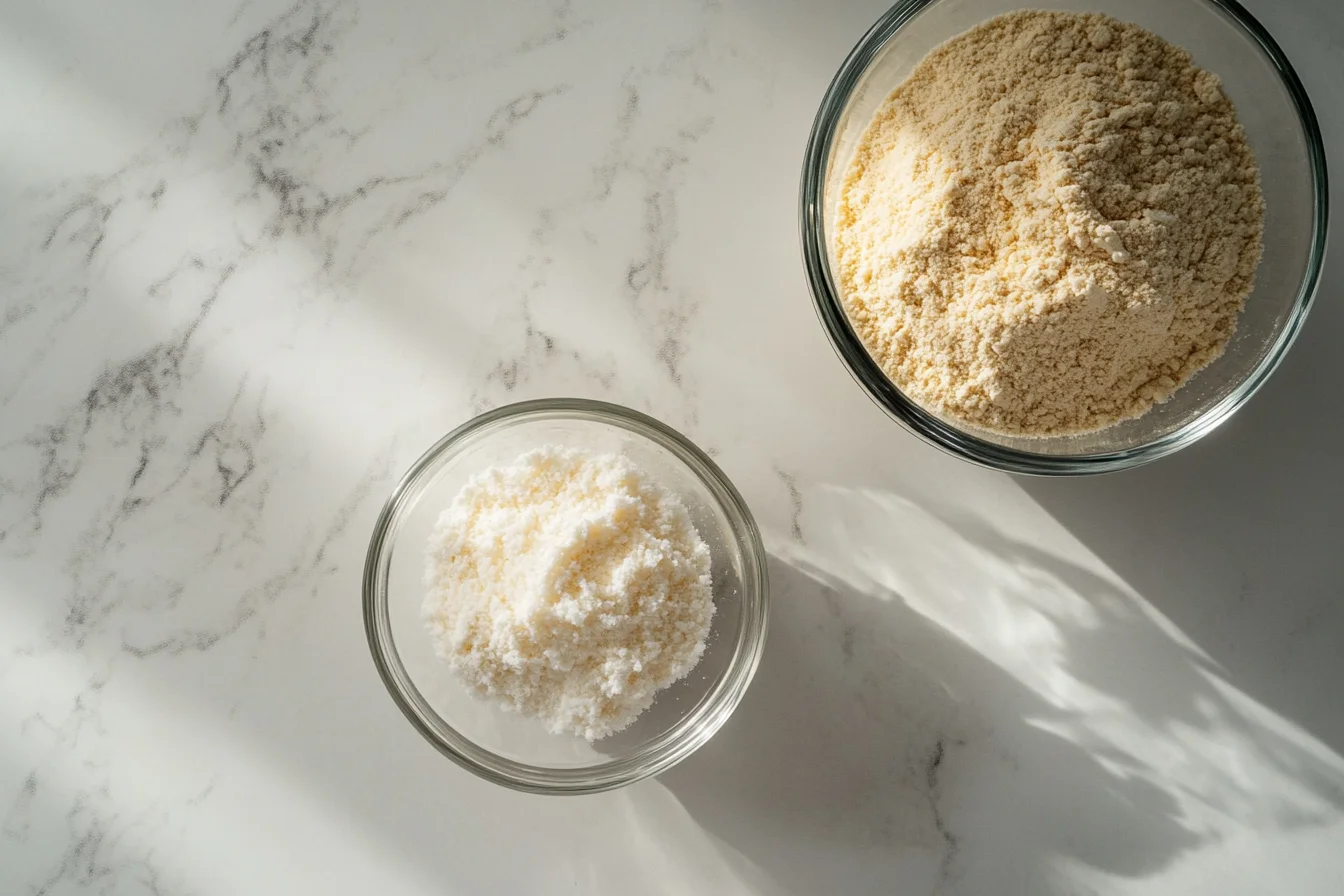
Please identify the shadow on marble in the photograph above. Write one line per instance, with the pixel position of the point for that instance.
(859, 739)
(875, 737)
(1237, 539)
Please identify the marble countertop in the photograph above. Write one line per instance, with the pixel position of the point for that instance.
(257, 257)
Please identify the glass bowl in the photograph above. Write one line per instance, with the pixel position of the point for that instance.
(1279, 122)
(514, 750)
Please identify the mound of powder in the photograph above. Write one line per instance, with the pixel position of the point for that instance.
(1050, 225)
(570, 587)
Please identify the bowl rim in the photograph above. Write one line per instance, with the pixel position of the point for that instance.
(651, 758)
(865, 371)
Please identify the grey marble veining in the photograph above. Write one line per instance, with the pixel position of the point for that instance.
(257, 258)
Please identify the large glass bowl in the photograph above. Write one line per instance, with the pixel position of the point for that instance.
(1277, 116)
(513, 750)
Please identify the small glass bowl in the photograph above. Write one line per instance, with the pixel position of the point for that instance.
(1279, 122)
(514, 750)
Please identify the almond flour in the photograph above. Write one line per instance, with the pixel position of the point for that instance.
(1050, 225)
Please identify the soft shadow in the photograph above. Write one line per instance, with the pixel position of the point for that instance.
(873, 740)
(1238, 538)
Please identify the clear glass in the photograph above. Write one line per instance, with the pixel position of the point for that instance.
(513, 750)
(1281, 126)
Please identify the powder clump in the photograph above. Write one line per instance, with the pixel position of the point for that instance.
(1050, 225)
(570, 587)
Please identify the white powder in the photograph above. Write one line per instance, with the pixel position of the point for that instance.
(570, 587)
(1050, 225)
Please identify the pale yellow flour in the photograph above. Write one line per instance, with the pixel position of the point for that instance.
(1050, 225)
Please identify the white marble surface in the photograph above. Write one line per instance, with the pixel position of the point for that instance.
(257, 257)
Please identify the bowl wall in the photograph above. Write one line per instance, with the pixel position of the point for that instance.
(505, 746)
(1282, 132)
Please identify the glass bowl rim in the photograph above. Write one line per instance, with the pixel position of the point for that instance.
(651, 758)
(947, 436)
